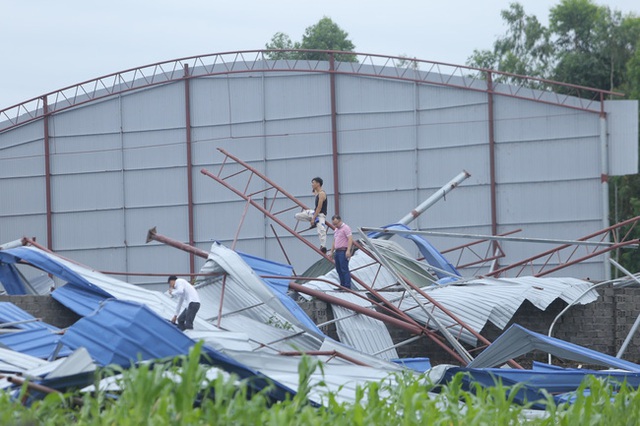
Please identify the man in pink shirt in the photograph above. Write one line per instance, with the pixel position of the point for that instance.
(341, 250)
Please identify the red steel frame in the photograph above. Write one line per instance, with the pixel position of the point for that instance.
(570, 258)
(257, 61)
(266, 208)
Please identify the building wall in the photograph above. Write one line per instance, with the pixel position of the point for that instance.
(119, 167)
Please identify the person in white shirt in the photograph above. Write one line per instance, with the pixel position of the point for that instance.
(186, 293)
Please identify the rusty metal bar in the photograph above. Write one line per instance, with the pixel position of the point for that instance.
(612, 246)
(292, 232)
(412, 326)
(332, 354)
(334, 134)
(47, 172)
(187, 119)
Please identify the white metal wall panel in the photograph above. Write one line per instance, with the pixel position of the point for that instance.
(376, 173)
(155, 187)
(161, 107)
(548, 160)
(155, 149)
(622, 127)
(296, 97)
(561, 201)
(246, 100)
(86, 153)
(440, 165)
(295, 175)
(209, 102)
(22, 196)
(110, 259)
(22, 151)
(102, 118)
(156, 258)
(376, 132)
(169, 220)
(365, 95)
(24, 159)
(88, 230)
(465, 206)
(298, 137)
(14, 227)
(86, 191)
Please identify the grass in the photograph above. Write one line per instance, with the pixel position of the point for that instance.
(169, 394)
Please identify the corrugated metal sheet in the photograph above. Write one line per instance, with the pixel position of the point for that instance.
(339, 378)
(161, 107)
(18, 362)
(361, 332)
(40, 343)
(494, 300)
(11, 313)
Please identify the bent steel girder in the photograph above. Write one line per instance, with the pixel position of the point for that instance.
(243, 168)
(393, 319)
(569, 250)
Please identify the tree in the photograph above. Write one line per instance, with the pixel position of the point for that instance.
(525, 49)
(325, 35)
(407, 62)
(586, 45)
(593, 44)
(282, 42)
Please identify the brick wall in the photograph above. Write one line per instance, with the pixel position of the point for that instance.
(602, 325)
(44, 307)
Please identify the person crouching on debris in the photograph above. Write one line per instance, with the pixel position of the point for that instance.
(185, 293)
(341, 250)
(318, 216)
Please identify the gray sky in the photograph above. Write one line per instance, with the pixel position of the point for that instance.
(47, 45)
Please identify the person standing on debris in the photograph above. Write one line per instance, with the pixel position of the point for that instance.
(341, 250)
(186, 293)
(318, 216)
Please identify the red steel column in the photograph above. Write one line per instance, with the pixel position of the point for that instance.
(187, 113)
(47, 171)
(334, 134)
(492, 161)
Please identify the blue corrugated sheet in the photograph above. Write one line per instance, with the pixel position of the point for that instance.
(431, 255)
(123, 333)
(11, 280)
(81, 300)
(11, 313)
(517, 341)
(50, 265)
(280, 286)
(40, 343)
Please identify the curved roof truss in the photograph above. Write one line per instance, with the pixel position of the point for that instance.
(258, 61)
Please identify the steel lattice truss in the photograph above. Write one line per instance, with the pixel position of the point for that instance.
(259, 61)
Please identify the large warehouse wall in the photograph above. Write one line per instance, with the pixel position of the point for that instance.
(119, 166)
